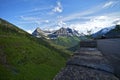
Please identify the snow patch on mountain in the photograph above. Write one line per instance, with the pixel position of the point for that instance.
(54, 34)
(103, 31)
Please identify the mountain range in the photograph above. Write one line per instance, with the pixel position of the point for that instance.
(65, 37)
(69, 38)
(55, 34)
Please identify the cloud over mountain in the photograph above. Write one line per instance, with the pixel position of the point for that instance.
(58, 8)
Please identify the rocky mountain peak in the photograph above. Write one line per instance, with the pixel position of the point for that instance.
(66, 32)
(38, 32)
(53, 35)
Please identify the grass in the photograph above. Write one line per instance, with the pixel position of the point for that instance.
(24, 57)
(67, 42)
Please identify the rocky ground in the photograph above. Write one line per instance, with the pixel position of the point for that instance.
(87, 64)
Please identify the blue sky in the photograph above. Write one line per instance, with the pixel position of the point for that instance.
(81, 15)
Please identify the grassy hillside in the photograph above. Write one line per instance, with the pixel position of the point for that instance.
(67, 42)
(24, 57)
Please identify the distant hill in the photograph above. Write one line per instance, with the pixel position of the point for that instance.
(102, 32)
(24, 57)
(114, 33)
(109, 32)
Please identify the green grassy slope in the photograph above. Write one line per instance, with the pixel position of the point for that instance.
(67, 42)
(24, 57)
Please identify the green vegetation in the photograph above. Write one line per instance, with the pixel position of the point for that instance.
(24, 57)
(67, 42)
(74, 48)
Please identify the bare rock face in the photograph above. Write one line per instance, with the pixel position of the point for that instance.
(38, 33)
(87, 64)
(66, 32)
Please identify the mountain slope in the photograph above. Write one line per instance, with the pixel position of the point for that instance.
(66, 37)
(67, 41)
(109, 32)
(114, 33)
(102, 32)
(24, 57)
(38, 33)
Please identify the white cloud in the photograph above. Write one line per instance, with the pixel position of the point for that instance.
(82, 14)
(61, 23)
(93, 23)
(77, 15)
(58, 8)
(29, 18)
(37, 9)
(53, 29)
(118, 23)
(46, 21)
(109, 4)
(30, 31)
(90, 11)
(33, 20)
(96, 23)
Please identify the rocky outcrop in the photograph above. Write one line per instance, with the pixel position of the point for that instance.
(38, 33)
(66, 32)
